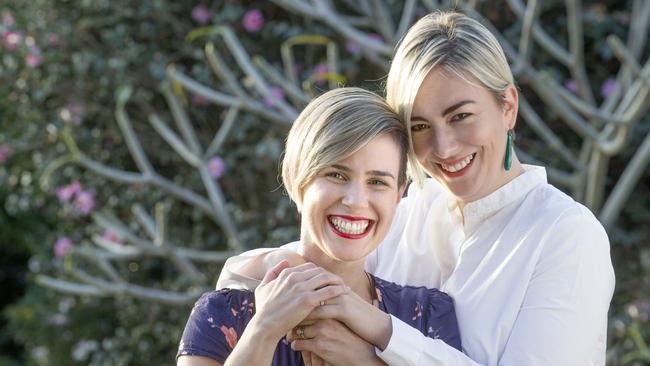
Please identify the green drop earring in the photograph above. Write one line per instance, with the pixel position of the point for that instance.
(507, 162)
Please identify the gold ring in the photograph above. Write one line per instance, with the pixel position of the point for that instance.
(301, 332)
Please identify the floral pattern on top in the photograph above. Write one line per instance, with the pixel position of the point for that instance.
(219, 318)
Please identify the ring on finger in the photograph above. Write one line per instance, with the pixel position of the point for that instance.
(322, 303)
(301, 332)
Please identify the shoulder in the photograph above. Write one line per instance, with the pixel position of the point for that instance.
(225, 303)
(400, 299)
(429, 310)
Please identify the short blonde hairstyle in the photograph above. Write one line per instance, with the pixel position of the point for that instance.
(457, 44)
(331, 128)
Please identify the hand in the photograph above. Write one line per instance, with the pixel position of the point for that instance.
(364, 319)
(287, 295)
(335, 344)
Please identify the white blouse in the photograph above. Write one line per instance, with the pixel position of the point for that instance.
(529, 270)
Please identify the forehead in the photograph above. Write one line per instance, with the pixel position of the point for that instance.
(441, 89)
(380, 152)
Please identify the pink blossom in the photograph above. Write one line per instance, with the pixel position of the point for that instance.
(216, 167)
(201, 14)
(65, 193)
(376, 37)
(320, 73)
(277, 93)
(608, 87)
(62, 246)
(571, 85)
(5, 153)
(253, 20)
(352, 47)
(32, 60)
(84, 202)
(199, 100)
(111, 236)
(53, 39)
(8, 19)
(11, 39)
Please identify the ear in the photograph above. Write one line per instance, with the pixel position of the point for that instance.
(510, 106)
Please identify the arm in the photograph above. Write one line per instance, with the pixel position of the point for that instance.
(562, 315)
(246, 270)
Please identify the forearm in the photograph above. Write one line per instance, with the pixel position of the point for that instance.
(255, 347)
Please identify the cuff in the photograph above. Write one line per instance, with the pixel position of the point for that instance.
(405, 345)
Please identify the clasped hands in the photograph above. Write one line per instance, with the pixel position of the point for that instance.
(320, 316)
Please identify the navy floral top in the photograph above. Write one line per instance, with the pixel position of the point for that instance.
(219, 317)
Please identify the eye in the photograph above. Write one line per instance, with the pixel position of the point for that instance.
(415, 127)
(335, 175)
(377, 182)
(460, 116)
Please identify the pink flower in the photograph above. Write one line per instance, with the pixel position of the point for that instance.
(62, 246)
(65, 193)
(32, 60)
(320, 74)
(608, 87)
(110, 236)
(5, 153)
(253, 20)
(11, 39)
(199, 100)
(84, 202)
(216, 167)
(571, 85)
(8, 19)
(276, 92)
(352, 47)
(230, 334)
(53, 39)
(376, 37)
(201, 14)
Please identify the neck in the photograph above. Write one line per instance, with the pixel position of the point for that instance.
(352, 273)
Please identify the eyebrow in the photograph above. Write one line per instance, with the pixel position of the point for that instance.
(447, 110)
(379, 173)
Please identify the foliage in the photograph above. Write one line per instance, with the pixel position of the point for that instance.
(66, 67)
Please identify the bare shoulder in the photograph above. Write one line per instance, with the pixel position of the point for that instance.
(196, 361)
(258, 266)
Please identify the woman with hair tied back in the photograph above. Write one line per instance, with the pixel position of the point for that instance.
(528, 268)
(345, 168)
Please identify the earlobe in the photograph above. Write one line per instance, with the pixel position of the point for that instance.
(511, 105)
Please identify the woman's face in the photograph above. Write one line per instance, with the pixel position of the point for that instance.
(459, 134)
(348, 207)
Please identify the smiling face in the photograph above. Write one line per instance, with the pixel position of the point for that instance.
(459, 134)
(348, 207)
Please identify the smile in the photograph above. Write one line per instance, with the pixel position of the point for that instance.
(458, 167)
(350, 227)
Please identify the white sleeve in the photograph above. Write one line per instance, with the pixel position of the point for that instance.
(229, 276)
(563, 316)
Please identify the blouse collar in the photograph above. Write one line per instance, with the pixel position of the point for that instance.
(474, 213)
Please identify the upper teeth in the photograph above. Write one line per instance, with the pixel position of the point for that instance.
(350, 227)
(458, 166)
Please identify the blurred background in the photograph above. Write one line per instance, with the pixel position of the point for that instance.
(139, 148)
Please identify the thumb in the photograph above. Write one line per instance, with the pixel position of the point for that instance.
(274, 272)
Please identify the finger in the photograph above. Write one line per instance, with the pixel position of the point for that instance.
(300, 273)
(303, 345)
(315, 360)
(324, 294)
(306, 358)
(324, 279)
(327, 311)
(274, 272)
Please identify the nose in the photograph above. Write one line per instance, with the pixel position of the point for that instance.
(355, 196)
(443, 142)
